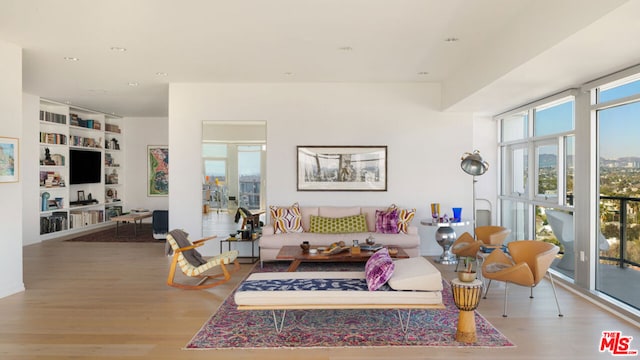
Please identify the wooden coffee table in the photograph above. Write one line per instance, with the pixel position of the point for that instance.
(294, 253)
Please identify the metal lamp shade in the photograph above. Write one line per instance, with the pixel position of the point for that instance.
(473, 164)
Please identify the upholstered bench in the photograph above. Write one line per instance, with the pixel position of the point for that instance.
(414, 284)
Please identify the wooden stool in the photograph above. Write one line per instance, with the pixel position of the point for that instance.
(466, 296)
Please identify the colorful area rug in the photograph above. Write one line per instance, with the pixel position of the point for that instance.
(229, 328)
(125, 234)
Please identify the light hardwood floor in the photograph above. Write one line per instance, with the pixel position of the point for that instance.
(110, 301)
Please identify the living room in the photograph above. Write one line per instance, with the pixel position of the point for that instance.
(424, 126)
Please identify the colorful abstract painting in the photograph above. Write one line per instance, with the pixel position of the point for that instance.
(8, 159)
(158, 170)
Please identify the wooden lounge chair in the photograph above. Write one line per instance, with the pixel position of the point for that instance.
(193, 264)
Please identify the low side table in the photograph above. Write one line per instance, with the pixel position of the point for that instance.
(253, 258)
(466, 296)
(445, 236)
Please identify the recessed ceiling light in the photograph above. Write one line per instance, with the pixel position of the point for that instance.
(345, 48)
(159, 73)
(288, 73)
(118, 49)
(134, 84)
(67, 102)
(423, 73)
(451, 39)
(71, 58)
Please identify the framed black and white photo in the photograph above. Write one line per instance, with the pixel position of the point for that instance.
(342, 168)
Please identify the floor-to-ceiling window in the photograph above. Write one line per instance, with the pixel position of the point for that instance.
(588, 203)
(537, 152)
(616, 106)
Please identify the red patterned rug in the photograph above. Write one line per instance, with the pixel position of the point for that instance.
(229, 328)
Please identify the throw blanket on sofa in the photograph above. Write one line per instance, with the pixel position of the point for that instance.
(308, 285)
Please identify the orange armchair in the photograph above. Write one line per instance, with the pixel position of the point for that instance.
(526, 265)
(465, 246)
(492, 235)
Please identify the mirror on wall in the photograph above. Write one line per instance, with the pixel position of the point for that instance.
(233, 173)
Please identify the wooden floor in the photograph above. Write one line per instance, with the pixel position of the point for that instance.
(110, 301)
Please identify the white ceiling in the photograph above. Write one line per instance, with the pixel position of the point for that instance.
(509, 51)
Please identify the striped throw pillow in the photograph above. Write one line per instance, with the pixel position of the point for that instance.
(286, 219)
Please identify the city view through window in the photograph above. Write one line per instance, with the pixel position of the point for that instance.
(619, 165)
(538, 176)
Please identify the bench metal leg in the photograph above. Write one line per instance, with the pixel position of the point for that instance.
(404, 327)
(275, 320)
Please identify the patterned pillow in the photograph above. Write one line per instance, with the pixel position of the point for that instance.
(341, 225)
(286, 219)
(404, 219)
(387, 221)
(378, 269)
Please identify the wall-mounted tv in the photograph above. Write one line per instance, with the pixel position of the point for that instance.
(85, 166)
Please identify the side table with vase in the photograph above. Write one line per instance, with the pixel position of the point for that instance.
(445, 236)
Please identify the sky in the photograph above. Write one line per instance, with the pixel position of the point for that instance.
(619, 127)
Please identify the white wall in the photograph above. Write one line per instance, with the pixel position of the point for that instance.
(30, 151)
(138, 134)
(485, 139)
(424, 144)
(11, 193)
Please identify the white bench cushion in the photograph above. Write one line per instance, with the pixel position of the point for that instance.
(415, 273)
(342, 298)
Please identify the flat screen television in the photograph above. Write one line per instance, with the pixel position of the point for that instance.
(85, 167)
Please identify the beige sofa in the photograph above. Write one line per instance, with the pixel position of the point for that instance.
(271, 243)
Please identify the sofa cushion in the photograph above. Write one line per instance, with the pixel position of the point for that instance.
(387, 221)
(338, 211)
(306, 212)
(286, 219)
(341, 225)
(417, 274)
(378, 269)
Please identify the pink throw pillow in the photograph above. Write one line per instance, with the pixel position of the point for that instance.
(387, 221)
(378, 269)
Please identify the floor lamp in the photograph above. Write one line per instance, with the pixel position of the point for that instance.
(474, 165)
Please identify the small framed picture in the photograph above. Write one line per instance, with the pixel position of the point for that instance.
(81, 195)
(9, 159)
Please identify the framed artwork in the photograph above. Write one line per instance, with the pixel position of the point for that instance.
(342, 168)
(9, 159)
(158, 170)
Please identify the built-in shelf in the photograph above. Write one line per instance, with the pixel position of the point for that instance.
(63, 128)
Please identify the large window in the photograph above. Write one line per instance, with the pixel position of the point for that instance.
(537, 150)
(617, 111)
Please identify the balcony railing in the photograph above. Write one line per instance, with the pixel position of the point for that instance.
(623, 211)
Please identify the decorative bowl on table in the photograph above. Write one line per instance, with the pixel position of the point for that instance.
(466, 276)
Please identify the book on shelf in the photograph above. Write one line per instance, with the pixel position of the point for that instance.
(112, 128)
(85, 123)
(85, 218)
(53, 138)
(53, 117)
(57, 221)
(50, 179)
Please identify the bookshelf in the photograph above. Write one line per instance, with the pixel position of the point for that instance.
(69, 201)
